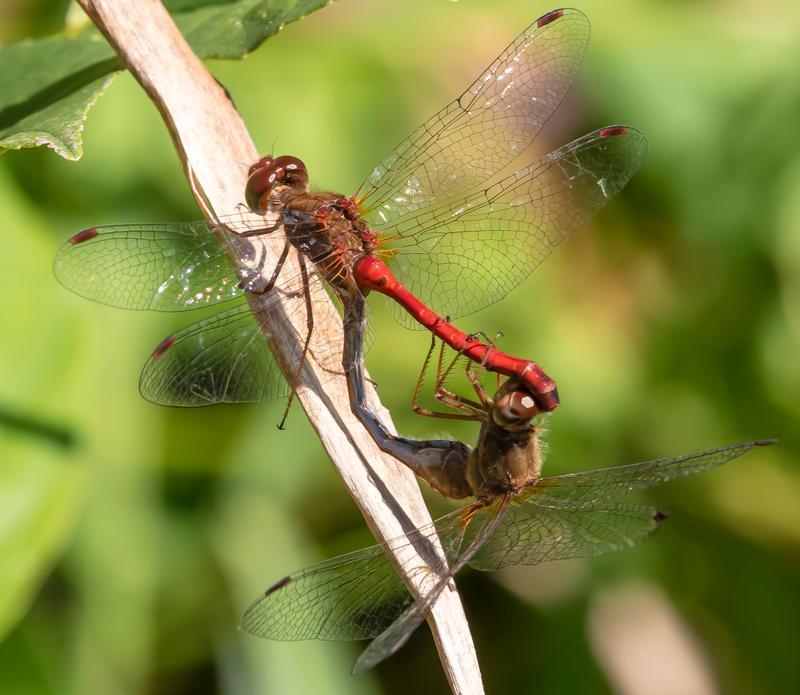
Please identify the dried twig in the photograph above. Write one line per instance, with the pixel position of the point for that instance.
(212, 141)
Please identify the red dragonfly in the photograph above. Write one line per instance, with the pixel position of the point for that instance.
(518, 518)
(457, 241)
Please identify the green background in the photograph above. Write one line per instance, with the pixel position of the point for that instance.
(132, 536)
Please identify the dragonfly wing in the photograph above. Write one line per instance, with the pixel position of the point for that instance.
(487, 127)
(162, 267)
(222, 359)
(353, 596)
(226, 358)
(466, 254)
(350, 597)
(590, 488)
(531, 533)
(397, 634)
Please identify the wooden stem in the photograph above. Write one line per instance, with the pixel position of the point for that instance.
(212, 141)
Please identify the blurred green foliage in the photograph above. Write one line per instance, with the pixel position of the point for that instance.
(130, 546)
(50, 84)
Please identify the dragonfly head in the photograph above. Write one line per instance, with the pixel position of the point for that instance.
(269, 172)
(514, 406)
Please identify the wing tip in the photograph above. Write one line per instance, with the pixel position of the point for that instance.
(549, 17)
(163, 346)
(612, 131)
(278, 585)
(83, 235)
(618, 129)
(764, 442)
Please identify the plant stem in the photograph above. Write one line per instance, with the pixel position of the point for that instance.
(213, 144)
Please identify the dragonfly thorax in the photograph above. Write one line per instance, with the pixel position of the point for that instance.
(503, 462)
(327, 229)
(508, 453)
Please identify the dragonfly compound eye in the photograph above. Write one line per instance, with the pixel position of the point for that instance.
(515, 407)
(264, 162)
(268, 172)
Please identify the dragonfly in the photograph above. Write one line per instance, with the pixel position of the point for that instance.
(435, 227)
(518, 518)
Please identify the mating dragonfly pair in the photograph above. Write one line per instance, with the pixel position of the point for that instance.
(458, 237)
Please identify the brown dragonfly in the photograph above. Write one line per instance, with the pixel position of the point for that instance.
(518, 518)
(457, 235)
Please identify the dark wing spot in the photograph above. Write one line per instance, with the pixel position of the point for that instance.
(163, 346)
(277, 585)
(85, 235)
(660, 517)
(612, 131)
(549, 17)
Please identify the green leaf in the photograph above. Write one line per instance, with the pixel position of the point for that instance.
(47, 86)
(232, 29)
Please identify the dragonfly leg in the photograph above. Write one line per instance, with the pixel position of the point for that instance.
(260, 286)
(418, 386)
(260, 231)
(440, 462)
(471, 411)
(309, 330)
(474, 375)
(391, 639)
(452, 399)
(482, 393)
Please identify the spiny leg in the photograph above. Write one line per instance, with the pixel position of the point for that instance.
(440, 393)
(473, 410)
(261, 230)
(474, 375)
(457, 402)
(309, 331)
(421, 377)
(269, 284)
(475, 380)
(447, 396)
(278, 266)
(415, 406)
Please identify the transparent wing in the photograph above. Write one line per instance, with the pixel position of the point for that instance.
(531, 534)
(398, 632)
(483, 130)
(350, 597)
(353, 596)
(574, 515)
(222, 359)
(226, 359)
(160, 266)
(590, 488)
(358, 596)
(466, 254)
(524, 535)
(543, 528)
